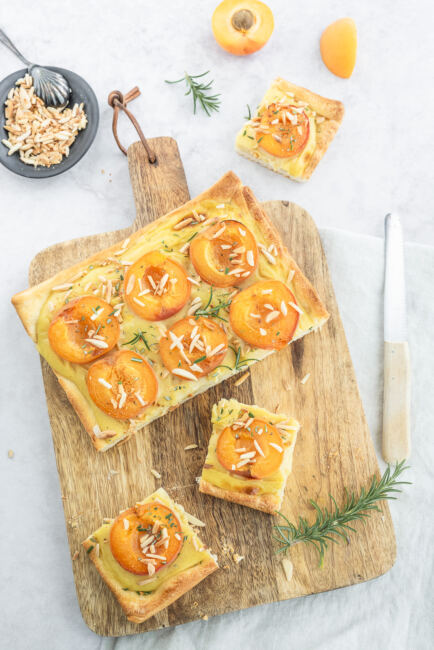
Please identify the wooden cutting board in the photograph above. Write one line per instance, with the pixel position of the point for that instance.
(334, 448)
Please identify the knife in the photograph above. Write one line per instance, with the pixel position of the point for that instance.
(396, 400)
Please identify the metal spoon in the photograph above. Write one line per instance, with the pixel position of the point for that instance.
(50, 86)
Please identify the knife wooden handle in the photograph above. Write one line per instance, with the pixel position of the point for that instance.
(396, 404)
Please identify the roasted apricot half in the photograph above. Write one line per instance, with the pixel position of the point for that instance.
(84, 330)
(283, 131)
(122, 384)
(193, 347)
(254, 450)
(242, 27)
(224, 254)
(146, 538)
(265, 315)
(156, 287)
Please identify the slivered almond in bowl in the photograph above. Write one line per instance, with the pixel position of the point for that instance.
(41, 135)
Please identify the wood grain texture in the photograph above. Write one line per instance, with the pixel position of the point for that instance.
(334, 449)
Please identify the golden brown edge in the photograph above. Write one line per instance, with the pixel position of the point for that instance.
(268, 503)
(307, 295)
(139, 608)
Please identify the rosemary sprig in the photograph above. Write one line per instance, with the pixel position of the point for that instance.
(138, 336)
(212, 312)
(335, 521)
(199, 90)
(249, 113)
(239, 363)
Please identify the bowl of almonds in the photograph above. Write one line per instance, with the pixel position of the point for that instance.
(38, 141)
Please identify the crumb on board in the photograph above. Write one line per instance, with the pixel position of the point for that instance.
(305, 378)
(11, 453)
(242, 379)
(204, 617)
(288, 568)
(188, 447)
(75, 556)
(155, 473)
(237, 558)
(112, 472)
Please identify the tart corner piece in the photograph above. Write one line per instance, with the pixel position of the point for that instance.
(291, 130)
(249, 455)
(141, 580)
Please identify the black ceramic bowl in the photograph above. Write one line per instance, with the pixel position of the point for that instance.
(81, 92)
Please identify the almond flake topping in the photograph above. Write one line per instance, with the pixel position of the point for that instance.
(184, 373)
(272, 316)
(296, 307)
(262, 332)
(250, 258)
(97, 343)
(130, 284)
(105, 383)
(126, 524)
(283, 308)
(277, 447)
(258, 447)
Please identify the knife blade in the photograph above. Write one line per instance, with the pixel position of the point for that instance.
(396, 398)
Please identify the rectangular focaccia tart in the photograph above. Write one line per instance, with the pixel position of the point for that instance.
(249, 455)
(291, 130)
(188, 301)
(149, 555)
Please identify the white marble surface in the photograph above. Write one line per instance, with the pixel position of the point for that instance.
(377, 163)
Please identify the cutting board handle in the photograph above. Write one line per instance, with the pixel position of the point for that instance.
(158, 187)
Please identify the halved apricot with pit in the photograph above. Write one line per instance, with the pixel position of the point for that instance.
(156, 287)
(224, 254)
(193, 347)
(283, 131)
(254, 450)
(265, 315)
(242, 27)
(145, 538)
(84, 330)
(122, 384)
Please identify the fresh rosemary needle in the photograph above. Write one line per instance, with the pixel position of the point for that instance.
(200, 91)
(335, 522)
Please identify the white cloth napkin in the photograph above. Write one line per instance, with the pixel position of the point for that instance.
(393, 611)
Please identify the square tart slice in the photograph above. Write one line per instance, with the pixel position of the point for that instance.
(149, 555)
(249, 455)
(291, 130)
(179, 306)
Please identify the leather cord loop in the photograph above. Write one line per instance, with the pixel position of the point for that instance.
(119, 102)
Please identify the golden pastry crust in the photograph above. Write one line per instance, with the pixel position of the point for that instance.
(307, 295)
(330, 109)
(248, 493)
(139, 608)
(29, 303)
(265, 502)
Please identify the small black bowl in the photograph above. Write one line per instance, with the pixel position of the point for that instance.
(81, 92)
